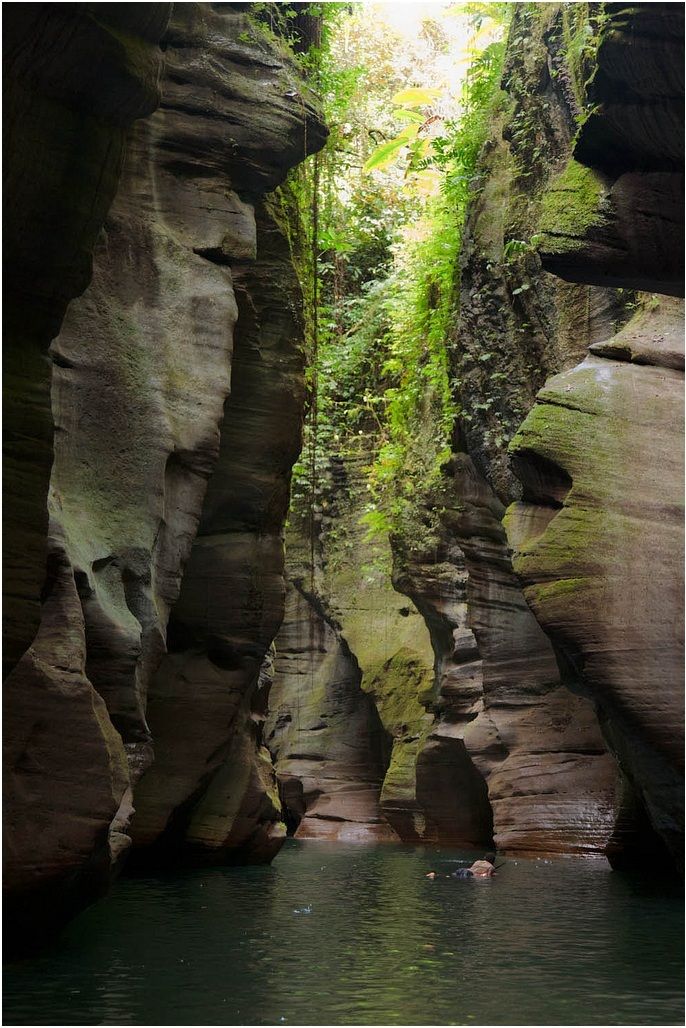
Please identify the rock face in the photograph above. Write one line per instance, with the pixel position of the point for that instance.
(498, 749)
(420, 689)
(500, 701)
(473, 742)
(329, 745)
(354, 662)
(66, 119)
(598, 534)
(143, 368)
(503, 719)
(220, 797)
(615, 214)
(601, 458)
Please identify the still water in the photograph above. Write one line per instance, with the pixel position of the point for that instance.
(344, 935)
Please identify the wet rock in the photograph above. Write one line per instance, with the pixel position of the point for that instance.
(486, 742)
(203, 700)
(324, 732)
(354, 669)
(533, 772)
(60, 801)
(598, 533)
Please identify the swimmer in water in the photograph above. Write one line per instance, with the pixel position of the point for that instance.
(480, 869)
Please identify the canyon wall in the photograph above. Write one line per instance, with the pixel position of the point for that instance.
(598, 533)
(354, 667)
(154, 389)
(424, 686)
(67, 115)
(495, 747)
(510, 735)
(74, 81)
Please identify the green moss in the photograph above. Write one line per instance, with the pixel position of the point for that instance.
(400, 782)
(579, 39)
(572, 205)
(398, 686)
(563, 587)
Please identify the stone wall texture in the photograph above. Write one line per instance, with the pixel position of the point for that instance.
(598, 533)
(550, 719)
(154, 391)
(181, 690)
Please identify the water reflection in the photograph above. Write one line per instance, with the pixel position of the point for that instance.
(349, 935)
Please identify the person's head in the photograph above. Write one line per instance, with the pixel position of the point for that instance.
(490, 857)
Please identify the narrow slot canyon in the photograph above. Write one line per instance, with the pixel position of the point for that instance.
(343, 531)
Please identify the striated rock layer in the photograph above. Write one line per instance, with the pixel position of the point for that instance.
(353, 662)
(614, 216)
(496, 748)
(599, 545)
(143, 368)
(324, 732)
(500, 704)
(598, 534)
(66, 119)
(220, 796)
(74, 81)
(503, 717)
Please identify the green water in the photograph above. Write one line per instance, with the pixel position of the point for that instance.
(350, 935)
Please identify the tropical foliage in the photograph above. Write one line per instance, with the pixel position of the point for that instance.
(384, 206)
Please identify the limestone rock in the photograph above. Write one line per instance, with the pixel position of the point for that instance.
(58, 821)
(486, 743)
(230, 605)
(354, 667)
(598, 535)
(530, 766)
(329, 747)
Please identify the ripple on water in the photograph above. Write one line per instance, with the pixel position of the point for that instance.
(350, 935)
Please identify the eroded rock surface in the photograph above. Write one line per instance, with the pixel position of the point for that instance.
(329, 746)
(74, 79)
(500, 703)
(142, 372)
(230, 607)
(599, 532)
(361, 650)
(531, 756)
(615, 214)
(601, 557)
(495, 746)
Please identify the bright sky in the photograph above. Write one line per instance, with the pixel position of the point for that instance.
(433, 56)
(406, 19)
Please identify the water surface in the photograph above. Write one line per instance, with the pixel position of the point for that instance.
(352, 935)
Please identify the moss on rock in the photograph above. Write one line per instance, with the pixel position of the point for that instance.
(572, 206)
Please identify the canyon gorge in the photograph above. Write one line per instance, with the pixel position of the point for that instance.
(204, 651)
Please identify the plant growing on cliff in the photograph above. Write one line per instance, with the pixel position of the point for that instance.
(380, 265)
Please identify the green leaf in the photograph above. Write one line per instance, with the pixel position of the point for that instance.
(404, 115)
(384, 154)
(415, 97)
(409, 132)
